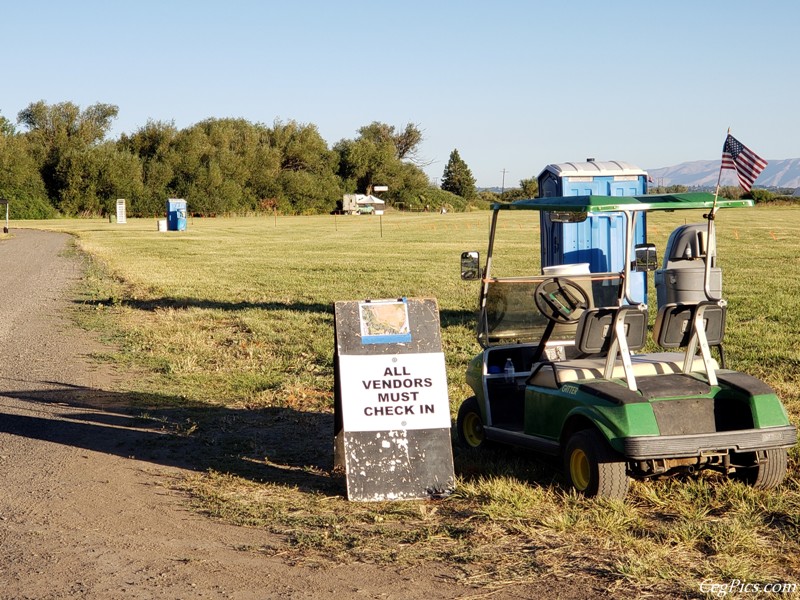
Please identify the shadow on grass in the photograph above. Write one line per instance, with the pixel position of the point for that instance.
(274, 445)
(154, 304)
(510, 462)
(277, 445)
(447, 318)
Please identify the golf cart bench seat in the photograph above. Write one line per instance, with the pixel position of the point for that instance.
(618, 331)
(553, 374)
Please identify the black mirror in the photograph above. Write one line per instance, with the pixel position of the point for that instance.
(646, 258)
(470, 265)
(558, 216)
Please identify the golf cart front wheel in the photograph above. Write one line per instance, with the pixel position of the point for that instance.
(593, 468)
(469, 424)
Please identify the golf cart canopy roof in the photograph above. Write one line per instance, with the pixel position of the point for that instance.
(691, 200)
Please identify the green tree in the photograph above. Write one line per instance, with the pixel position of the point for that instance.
(95, 177)
(20, 182)
(233, 166)
(529, 187)
(306, 175)
(382, 155)
(677, 189)
(407, 184)
(457, 177)
(6, 126)
(57, 132)
(207, 172)
(153, 145)
(152, 141)
(759, 195)
(219, 165)
(364, 163)
(734, 192)
(405, 143)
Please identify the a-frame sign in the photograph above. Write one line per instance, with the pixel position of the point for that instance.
(392, 411)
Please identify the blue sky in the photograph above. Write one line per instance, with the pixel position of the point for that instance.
(512, 85)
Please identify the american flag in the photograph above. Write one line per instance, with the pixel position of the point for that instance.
(746, 163)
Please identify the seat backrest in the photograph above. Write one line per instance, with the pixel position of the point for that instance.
(673, 327)
(596, 327)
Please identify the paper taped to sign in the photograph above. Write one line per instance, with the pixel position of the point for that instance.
(384, 321)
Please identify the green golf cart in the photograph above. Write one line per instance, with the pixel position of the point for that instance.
(562, 370)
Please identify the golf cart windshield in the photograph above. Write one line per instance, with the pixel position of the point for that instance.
(512, 316)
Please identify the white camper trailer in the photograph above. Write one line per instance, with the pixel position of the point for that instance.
(362, 204)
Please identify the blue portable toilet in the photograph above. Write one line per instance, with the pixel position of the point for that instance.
(599, 240)
(176, 214)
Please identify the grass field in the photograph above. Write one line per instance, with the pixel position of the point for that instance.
(232, 322)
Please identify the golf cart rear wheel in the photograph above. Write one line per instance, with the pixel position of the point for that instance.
(469, 424)
(593, 468)
(768, 473)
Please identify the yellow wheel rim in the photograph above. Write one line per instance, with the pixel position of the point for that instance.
(473, 430)
(579, 470)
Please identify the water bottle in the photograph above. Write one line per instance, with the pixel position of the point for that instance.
(509, 371)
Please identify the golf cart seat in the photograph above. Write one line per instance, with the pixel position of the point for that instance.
(593, 336)
(673, 326)
(553, 375)
(595, 341)
(692, 325)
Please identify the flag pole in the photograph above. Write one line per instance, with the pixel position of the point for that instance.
(719, 179)
(711, 250)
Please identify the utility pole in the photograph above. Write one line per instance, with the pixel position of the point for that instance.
(503, 187)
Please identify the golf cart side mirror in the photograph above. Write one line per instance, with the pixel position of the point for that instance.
(646, 258)
(470, 266)
(559, 216)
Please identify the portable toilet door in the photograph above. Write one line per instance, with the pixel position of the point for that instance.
(599, 240)
(176, 214)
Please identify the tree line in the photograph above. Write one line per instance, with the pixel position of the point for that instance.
(734, 192)
(57, 160)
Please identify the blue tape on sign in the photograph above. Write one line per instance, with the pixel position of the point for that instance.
(386, 339)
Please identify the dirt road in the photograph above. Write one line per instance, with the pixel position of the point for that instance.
(84, 515)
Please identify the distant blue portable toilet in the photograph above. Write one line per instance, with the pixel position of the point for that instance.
(599, 240)
(176, 214)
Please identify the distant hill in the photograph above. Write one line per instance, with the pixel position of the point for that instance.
(783, 173)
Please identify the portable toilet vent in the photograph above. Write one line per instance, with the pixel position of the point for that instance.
(600, 239)
(682, 276)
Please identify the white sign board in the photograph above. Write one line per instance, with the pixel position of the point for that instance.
(121, 213)
(385, 393)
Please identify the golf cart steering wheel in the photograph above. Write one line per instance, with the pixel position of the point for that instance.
(561, 300)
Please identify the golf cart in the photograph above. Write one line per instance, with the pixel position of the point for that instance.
(562, 372)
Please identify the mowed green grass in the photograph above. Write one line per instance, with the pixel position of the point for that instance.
(234, 318)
